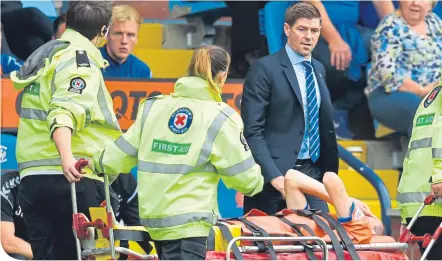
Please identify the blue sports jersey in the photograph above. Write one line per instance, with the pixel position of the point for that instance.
(131, 68)
(10, 64)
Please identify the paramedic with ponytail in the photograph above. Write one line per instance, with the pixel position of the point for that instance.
(183, 144)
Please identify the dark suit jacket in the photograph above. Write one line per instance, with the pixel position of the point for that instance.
(274, 124)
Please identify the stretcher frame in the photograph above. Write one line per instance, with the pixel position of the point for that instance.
(427, 240)
(321, 246)
(78, 224)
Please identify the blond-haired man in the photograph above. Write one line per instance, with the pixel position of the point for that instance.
(122, 38)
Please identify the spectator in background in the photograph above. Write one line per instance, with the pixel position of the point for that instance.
(122, 38)
(25, 28)
(406, 63)
(343, 50)
(14, 237)
(59, 26)
(8, 62)
(246, 42)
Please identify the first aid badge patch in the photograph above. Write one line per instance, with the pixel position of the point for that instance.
(432, 96)
(181, 120)
(77, 85)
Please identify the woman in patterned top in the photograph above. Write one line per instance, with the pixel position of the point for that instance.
(406, 63)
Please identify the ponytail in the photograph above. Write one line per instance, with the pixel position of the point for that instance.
(207, 62)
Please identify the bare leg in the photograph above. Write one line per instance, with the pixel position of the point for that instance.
(338, 195)
(296, 184)
(333, 191)
(294, 197)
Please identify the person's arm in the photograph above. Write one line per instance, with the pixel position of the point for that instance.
(233, 160)
(409, 85)
(254, 104)
(127, 187)
(122, 155)
(71, 108)
(383, 8)
(11, 244)
(340, 51)
(387, 68)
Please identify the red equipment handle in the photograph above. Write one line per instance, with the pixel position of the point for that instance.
(429, 200)
(81, 163)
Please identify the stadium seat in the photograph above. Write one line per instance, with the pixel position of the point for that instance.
(7, 152)
(150, 36)
(273, 23)
(47, 7)
(212, 9)
(166, 63)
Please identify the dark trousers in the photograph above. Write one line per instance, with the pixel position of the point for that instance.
(395, 110)
(47, 211)
(270, 200)
(429, 225)
(26, 29)
(192, 248)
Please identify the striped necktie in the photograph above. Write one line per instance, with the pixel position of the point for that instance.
(313, 112)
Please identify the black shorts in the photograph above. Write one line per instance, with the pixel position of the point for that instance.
(47, 210)
(192, 248)
(429, 225)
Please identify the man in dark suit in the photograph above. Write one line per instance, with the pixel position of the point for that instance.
(287, 112)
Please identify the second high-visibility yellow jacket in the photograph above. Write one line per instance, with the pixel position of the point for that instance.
(423, 162)
(183, 144)
(62, 87)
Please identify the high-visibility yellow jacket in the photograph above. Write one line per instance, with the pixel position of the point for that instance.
(63, 87)
(183, 144)
(423, 162)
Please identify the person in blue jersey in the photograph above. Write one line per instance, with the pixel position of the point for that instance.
(122, 38)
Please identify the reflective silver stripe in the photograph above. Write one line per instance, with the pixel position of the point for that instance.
(53, 83)
(33, 114)
(419, 144)
(86, 109)
(238, 168)
(43, 162)
(177, 220)
(183, 169)
(100, 161)
(105, 110)
(214, 128)
(147, 107)
(413, 197)
(437, 153)
(65, 64)
(126, 147)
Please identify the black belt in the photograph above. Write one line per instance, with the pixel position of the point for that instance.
(301, 162)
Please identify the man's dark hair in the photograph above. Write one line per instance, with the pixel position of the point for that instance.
(88, 17)
(58, 21)
(301, 10)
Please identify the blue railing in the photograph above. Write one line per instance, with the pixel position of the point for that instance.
(373, 178)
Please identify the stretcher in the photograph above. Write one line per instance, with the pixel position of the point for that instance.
(427, 240)
(238, 239)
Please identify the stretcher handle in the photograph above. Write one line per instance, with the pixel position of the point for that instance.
(81, 163)
(78, 166)
(406, 234)
(429, 200)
